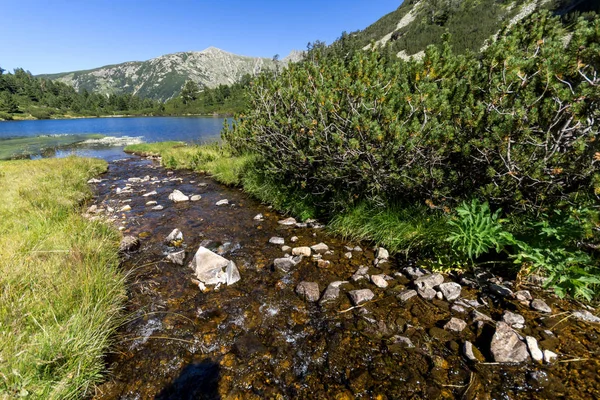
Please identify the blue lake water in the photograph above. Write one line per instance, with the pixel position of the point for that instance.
(129, 130)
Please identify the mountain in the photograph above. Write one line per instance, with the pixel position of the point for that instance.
(163, 77)
(418, 23)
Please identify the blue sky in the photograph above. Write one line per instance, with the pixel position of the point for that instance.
(64, 35)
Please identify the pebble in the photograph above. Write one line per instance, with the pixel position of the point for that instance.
(178, 197)
(223, 202)
(514, 320)
(294, 239)
(427, 293)
(323, 263)
(301, 251)
(277, 240)
(286, 249)
(458, 309)
(478, 316)
(415, 272)
(125, 208)
(332, 292)
(158, 208)
(152, 193)
(175, 235)
(402, 340)
(541, 306)
(382, 254)
(455, 324)
(287, 222)
(549, 356)
(523, 295)
(468, 351)
(284, 264)
(348, 255)
(379, 281)
(361, 296)
(196, 197)
(320, 248)
(151, 203)
(534, 349)
(259, 217)
(177, 257)
(506, 345)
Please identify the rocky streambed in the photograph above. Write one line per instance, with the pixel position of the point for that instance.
(307, 315)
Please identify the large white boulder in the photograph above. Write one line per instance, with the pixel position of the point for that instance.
(212, 269)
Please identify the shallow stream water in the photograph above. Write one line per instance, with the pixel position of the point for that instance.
(259, 339)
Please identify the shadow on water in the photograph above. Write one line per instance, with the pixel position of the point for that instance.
(196, 381)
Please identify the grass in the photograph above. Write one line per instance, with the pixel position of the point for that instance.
(62, 290)
(400, 229)
(21, 147)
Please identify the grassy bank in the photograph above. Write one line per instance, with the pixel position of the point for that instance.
(61, 287)
(23, 147)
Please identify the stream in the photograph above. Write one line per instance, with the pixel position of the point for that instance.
(259, 339)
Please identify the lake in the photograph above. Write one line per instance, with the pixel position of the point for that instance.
(58, 138)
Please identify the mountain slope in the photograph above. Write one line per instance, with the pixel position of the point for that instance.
(163, 77)
(418, 23)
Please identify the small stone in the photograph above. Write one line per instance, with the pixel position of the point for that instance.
(478, 316)
(175, 236)
(458, 309)
(178, 197)
(196, 197)
(348, 255)
(361, 296)
(586, 316)
(259, 217)
(427, 293)
(129, 244)
(301, 225)
(402, 340)
(382, 254)
(549, 356)
(429, 281)
(287, 222)
(439, 295)
(294, 239)
(152, 193)
(406, 295)
(151, 203)
(286, 249)
(332, 292)
(309, 291)
(358, 249)
(125, 208)
(379, 281)
(468, 351)
(177, 257)
(523, 295)
(158, 208)
(277, 240)
(455, 324)
(500, 290)
(450, 290)
(94, 180)
(415, 272)
(223, 202)
(323, 263)
(506, 345)
(301, 251)
(513, 320)
(541, 306)
(320, 248)
(284, 264)
(534, 349)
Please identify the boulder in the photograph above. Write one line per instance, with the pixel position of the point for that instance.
(429, 281)
(541, 306)
(320, 248)
(361, 296)
(212, 269)
(450, 290)
(301, 251)
(178, 197)
(379, 281)
(506, 346)
(129, 244)
(177, 257)
(455, 324)
(309, 291)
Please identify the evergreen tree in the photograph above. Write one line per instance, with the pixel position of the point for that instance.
(190, 92)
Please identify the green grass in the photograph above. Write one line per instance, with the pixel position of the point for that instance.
(21, 147)
(152, 149)
(401, 229)
(61, 289)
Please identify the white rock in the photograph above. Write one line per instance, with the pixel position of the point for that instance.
(287, 222)
(348, 255)
(196, 197)
(541, 306)
(455, 324)
(586, 316)
(379, 281)
(534, 349)
(212, 269)
(405, 295)
(301, 251)
(125, 208)
(175, 235)
(286, 249)
(151, 203)
(158, 208)
(178, 197)
(277, 240)
(177, 257)
(223, 202)
(320, 248)
(450, 290)
(382, 254)
(259, 217)
(361, 296)
(549, 356)
(152, 193)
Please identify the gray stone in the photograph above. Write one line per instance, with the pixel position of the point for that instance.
(301, 225)
(379, 281)
(430, 281)
(223, 202)
(415, 272)
(478, 316)
(294, 239)
(212, 269)
(405, 295)
(586, 316)
(534, 349)
(175, 236)
(301, 251)
(286, 249)
(259, 217)
(403, 340)
(427, 293)
(549, 356)
(308, 291)
(506, 347)
(450, 290)
(287, 222)
(129, 244)
(523, 295)
(284, 264)
(152, 193)
(358, 249)
(158, 208)
(177, 257)
(178, 197)
(332, 292)
(320, 248)
(277, 240)
(196, 197)
(513, 320)
(500, 290)
(468, 351)
(361, 296)
(455, 324)
(382, 254)
(541, 306)
(348, 255)
(458, 309)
